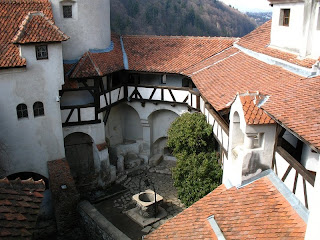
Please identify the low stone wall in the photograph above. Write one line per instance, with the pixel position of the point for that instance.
(97, 226)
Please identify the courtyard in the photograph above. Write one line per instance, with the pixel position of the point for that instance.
(160, 179)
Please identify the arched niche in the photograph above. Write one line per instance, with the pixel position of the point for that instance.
(237, 134)
(79, 154)
(160, 122)
(123, 125)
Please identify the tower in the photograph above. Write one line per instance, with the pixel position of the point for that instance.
(86, 22)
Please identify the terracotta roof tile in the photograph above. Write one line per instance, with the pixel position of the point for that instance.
(256, 211)
(252, 113)
(19, 206)
(293, 101)
(259, 40)
(100, 64)
(37, 28)
(171, 54)
(12, 13)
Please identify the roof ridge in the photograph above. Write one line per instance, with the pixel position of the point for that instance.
(21, 32)
(180, 37)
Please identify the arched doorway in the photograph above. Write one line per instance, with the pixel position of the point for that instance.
(79, 154)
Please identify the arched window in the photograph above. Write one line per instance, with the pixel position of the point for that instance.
(38, 109)
(22, 111)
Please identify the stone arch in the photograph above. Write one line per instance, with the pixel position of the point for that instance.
(160, 121)
(79, 154)
(123, 125)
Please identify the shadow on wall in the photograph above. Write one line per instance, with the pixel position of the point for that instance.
(252, 165)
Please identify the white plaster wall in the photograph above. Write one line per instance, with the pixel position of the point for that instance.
(123, 124)
(309, 159)
(281, 168)
(232, 168)
(88, 29)
(290, 37)
(240, 165)
(95, 131)
(31, 142)
(316, 33)
(160, 121)
(313, 230)
(173, 80)
(144, 112)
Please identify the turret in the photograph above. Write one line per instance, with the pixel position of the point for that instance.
(87, 22)
(296, 27)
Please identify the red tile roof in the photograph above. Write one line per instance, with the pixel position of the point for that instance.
(293, 101)
(259, 39)
(100, 64)
(252, 113)
(19, 207)
(297, 107)
(37, 28)
(171, 54)
(256, 211)
(12, 14)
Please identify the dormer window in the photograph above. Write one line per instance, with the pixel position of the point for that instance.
(67, 11)
(285, 17)
(41, 52)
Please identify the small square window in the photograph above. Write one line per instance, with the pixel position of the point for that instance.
(67, 11)
(285, 17)
(42, 52)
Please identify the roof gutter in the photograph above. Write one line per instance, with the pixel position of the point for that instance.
(215, 227)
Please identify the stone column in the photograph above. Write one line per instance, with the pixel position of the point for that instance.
(146, 134)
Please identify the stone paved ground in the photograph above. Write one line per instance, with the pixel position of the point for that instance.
(113, 208)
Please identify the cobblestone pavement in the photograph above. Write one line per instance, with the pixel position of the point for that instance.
(160, 179)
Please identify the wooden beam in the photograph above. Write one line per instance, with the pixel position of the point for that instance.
(296, 165)
(80, 123)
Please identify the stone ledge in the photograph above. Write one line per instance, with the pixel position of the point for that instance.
(97, 225)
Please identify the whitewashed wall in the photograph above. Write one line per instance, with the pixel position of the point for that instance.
(290, 37)
(31, 142)
(88, 29)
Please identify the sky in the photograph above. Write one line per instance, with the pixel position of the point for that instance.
(249, 5)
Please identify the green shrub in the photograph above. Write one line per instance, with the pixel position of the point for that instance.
(190, 133)
(197, 172)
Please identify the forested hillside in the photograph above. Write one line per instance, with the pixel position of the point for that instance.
(178, 17)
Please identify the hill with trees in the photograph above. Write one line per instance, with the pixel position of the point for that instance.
(178, 17)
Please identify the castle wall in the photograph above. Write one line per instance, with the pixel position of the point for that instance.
(30, 142)
(89, 27)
